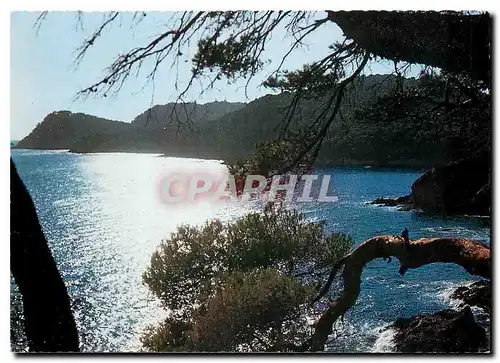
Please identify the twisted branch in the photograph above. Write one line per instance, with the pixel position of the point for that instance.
(473, 256)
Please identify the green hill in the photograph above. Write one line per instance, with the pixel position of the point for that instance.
(169, 115)
(230, 131)
(85, 133)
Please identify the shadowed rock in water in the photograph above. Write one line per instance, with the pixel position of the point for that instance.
(446, 331)
(390, 202)
(473, 256)
(461, 187)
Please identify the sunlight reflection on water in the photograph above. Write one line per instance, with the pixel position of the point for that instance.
(123, 196)
(103, 217)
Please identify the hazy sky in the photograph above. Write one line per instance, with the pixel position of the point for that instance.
(44, 78)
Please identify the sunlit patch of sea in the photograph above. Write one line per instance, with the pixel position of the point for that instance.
(103, 217)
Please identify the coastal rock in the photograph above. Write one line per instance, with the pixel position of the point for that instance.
(393, 202)
(85, 133)
(461, 187)
(385, 201)
(478, 294)
(447, 331)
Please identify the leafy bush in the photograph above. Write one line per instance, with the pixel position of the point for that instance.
(240, 286)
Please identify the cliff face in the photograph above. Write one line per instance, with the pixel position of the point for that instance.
(460, 187)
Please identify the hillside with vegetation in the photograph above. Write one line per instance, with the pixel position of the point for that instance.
(172, 114)
(360, 135)
(85, 133)
(159, 133)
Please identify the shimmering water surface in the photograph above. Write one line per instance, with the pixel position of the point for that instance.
(103, 217)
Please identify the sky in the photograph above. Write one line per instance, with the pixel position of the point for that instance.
(44, 77)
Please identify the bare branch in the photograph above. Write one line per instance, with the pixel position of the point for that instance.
(89, 42)
(39, 21)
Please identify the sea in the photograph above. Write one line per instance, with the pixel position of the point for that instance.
(103, 216)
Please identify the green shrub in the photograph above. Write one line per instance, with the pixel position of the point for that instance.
(240, 286)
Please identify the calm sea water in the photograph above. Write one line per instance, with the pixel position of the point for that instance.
(103, 218)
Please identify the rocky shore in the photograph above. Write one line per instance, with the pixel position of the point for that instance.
(447, 331)
(478, 294)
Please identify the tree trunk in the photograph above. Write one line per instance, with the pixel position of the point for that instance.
(49, 322)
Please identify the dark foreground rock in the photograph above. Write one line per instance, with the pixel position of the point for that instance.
(478, 294)
(461, 187)
(447, 331)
